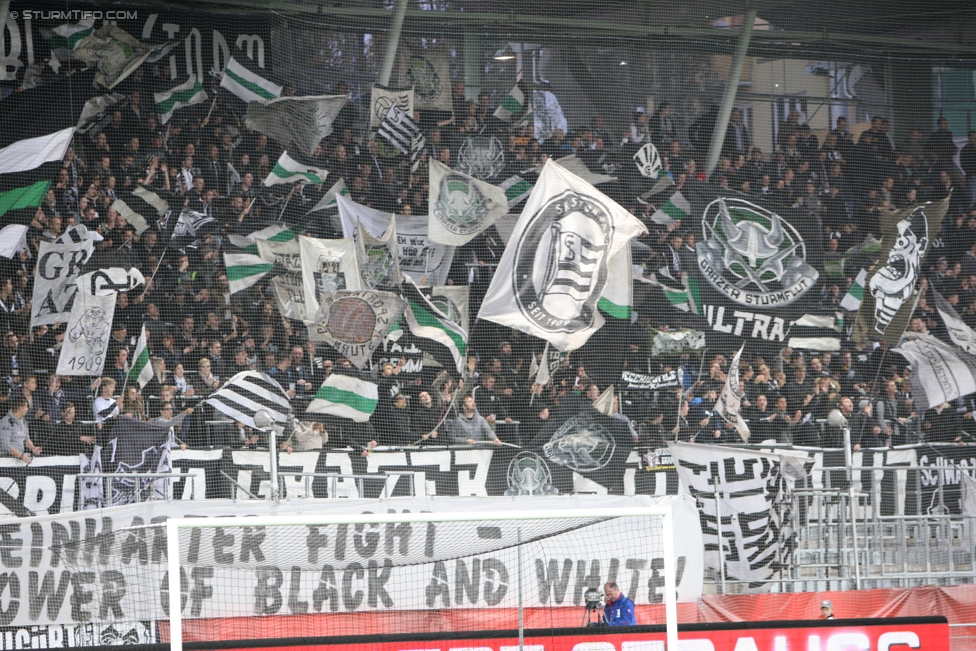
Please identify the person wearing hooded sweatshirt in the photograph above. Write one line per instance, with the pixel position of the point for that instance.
(470, 427)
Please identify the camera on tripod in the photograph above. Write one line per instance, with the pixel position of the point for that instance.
(593, 606)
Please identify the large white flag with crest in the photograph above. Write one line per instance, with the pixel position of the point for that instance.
(461, 206)
(960, 333)
(58, 266)
(555, 266)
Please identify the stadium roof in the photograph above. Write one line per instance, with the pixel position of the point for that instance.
(805, 29)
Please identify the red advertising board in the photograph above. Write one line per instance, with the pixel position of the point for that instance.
(905, 634)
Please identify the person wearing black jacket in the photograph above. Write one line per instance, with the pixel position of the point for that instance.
(395, 428)
(425, 419)
(865, 431)
(69, 437)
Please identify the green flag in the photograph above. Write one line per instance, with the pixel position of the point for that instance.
(27, 197)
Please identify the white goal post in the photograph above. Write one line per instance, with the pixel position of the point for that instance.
(662, 511)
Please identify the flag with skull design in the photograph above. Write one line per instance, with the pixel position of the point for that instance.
(893, 283)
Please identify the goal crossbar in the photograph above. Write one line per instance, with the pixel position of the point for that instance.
(173, 525)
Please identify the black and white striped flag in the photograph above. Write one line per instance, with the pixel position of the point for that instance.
(417, 146)
(398, 129)
(249, 392)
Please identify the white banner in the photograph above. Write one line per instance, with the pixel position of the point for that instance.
(89, 331)
(242, 573)
(58, 266)
(287, 286)
(328, 266)
(426, 262)
(382, 99)
(754, 489)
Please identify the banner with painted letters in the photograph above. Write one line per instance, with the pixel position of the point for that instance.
(331, 555)
(287, 285)
(426, 262)
(750, 486)
(58, 267)
(639, 381)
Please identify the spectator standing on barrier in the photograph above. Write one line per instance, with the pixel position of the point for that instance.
(14, 435)
(826, 609)
(619, 610)
(470, 427)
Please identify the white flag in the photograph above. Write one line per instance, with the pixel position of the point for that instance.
(328, 266)
(58, 267)
(729, 403)
(461, 206)
(556, 263)
(286, 286)
(115, 54)
(300, 122)
(381, 99)
(419, 257)
(288, 170)
(378, 257)
(30, 153)
(960, 333)
(940, 372)
(90, 322)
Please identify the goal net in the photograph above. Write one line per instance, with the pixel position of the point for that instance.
(271, 578)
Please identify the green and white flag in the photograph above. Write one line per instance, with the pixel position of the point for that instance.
(28, 197)
(513, 106)
(186, 94)
(345, 397)
(288, 170)
(245, 270)
(687, 299)
(617, 299)
(675, 208)
(461, 206)
(141, 369)
(247, 85)
(852, 299)
(67, 36)
(449, 342)
(516, 189)
(273, 233)
(329, 199)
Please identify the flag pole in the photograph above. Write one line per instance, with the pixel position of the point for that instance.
(290, 195)
(161, 256)
(212, 105)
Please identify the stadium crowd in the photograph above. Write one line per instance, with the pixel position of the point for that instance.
(201, 334)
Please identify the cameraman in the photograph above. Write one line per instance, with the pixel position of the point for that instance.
(619, 610)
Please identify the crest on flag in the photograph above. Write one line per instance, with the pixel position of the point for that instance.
(378, 257)
(648, 161)
(555, 266)
(354, 323)
(430, 75)
(382, 100)
(483, 157)
(564, 251)
(328, 266)
(461, 206)
(752, 256)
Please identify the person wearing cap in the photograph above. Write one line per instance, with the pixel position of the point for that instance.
(826, 609)
(639, 131)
